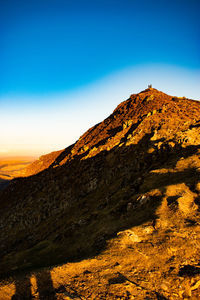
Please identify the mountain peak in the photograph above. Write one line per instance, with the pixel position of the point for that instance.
(146, 109)
(149, 89)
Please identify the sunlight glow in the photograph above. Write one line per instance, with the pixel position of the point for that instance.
(37, 125)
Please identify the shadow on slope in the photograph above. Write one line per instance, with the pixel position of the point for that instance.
(94, 199)
(45, 289)
(3, 183)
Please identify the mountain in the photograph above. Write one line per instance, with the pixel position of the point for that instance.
(40, 164)
(125, 196)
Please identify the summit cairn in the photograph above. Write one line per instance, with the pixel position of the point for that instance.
(150, 86)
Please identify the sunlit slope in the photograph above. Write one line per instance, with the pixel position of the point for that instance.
(42, 163)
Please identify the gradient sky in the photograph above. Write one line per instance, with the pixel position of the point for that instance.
(65, 65)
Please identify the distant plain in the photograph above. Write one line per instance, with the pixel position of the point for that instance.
(11, 167)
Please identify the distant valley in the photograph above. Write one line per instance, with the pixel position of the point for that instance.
(11, 167)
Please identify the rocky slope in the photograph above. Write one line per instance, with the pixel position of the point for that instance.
(40, 164)
(128, 192)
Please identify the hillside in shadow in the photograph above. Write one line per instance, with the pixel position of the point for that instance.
(148, 198)
(129, 185)
(3, 183)
(106, 199)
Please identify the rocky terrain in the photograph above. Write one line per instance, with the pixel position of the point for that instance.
(115, 215)
(40, 164)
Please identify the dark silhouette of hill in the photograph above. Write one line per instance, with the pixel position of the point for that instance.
(3, 183)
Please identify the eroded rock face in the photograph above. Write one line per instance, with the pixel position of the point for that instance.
(140, 165)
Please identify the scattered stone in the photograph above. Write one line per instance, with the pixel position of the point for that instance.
(116, 280)
(86, 272)
(189, 270)
(196, 285)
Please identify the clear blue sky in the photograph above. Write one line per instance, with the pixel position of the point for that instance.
(53, 47)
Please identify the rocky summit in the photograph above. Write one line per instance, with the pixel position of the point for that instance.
(115, 215)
